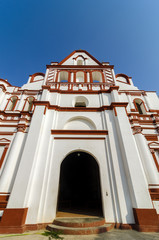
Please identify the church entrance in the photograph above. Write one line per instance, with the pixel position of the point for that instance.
(79, 187)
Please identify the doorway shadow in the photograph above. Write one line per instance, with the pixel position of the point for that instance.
(79, 187)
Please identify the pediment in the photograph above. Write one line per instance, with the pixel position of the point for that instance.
(80, 55)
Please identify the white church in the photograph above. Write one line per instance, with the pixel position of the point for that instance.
(78, 140)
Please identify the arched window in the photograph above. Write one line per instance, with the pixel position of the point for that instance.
(29, 104)
(11, 104)
(80, 62)
(97, 77)
(139, 105)
(63, 76)
(80, 77)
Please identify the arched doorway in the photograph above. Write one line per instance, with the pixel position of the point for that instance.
(79, 187)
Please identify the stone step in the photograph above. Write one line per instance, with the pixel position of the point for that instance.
(80, 231)
(79, 222)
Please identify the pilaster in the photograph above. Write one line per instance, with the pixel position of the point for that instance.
(132, 163)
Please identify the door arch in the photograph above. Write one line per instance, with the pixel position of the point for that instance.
(79, 185)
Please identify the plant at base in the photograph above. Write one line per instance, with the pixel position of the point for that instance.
(52, 234)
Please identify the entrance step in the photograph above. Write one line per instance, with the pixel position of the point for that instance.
(80, 226)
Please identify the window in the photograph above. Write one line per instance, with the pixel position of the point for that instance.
(96, 77)
(63, 77)
(140, 107)
(29, 104)
(12, 103)
(79, 62)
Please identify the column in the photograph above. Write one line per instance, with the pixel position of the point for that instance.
(25, 172)
(146, 157)
(130, 102)
(11, 165)
(132, 163)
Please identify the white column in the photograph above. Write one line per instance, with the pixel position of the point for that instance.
(2, 94)
(130, 102)
(21, 102)
(147, 160)
(11, 164)
(72, 75)
(88, 77)
(46, 76)
(136, 179)
(115, 96)
(114, 78)
(122, 201)
(45, 94)
(22, 184)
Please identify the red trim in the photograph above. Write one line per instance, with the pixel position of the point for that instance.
(7, 133)
(80, 67)
(2, 80)
(79, 132)
(123, 75)
(80, 56)
(13, 218)
(115, 111)
(4, 154)
(146, 218)
(155, 159)
(79, 109)
(151, 137)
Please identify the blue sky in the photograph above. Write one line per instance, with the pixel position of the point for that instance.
(124, 32)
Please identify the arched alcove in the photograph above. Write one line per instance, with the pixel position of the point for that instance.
(79, 185)
(80, 62)
(79, 123)
(80, 101)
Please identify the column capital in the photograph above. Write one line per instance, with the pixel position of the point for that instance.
(137, 129)
(21, 128)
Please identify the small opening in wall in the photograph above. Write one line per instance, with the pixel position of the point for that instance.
(140, 106)
(63, 81)
(80, 104)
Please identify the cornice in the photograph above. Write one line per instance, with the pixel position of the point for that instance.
(80, 66)
(80, 109)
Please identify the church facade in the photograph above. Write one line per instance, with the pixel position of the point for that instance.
(78, 139)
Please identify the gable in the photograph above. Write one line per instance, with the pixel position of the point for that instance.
(80, 57)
